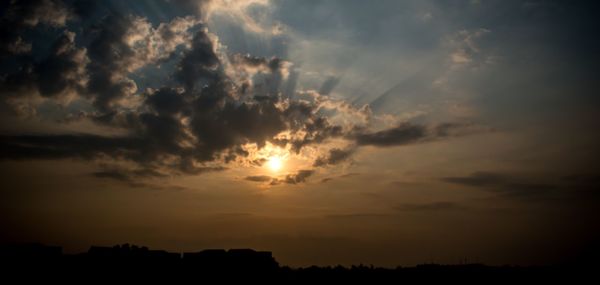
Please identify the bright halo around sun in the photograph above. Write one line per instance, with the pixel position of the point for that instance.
(275, 163)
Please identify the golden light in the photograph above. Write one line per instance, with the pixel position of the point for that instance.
(275, 163)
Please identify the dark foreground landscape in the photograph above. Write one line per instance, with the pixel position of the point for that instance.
(36, 262)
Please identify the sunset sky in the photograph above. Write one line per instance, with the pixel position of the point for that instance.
(328, 132)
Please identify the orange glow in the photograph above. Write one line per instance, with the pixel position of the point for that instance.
(275, 163)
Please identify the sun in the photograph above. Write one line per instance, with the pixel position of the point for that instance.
(275, 163)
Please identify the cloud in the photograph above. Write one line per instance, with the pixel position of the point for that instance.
(32, 13)
(200, 62)
(259, 178)
(119, 45)
(123, 44)
(410, 133)
(60, 75)
(19, 16)
(316, 129)
(141, 177)
(261, 75)
(190, 125)
(335, 156)
(299, 177)
(295, 178)
(67, 146)
(575, 188)
(466, 50)
(132, 180)
(206, 107)
(201, 115)
(327, 179)
(64, 70)
(405, 133)
(478, 179)
(166, 101)
(507, 185)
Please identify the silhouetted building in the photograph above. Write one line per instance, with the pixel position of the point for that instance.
(209, 258)
(231, 260)
(130, 263)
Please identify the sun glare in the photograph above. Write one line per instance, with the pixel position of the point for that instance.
(275, 163)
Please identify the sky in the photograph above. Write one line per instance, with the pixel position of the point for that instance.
(328, 132)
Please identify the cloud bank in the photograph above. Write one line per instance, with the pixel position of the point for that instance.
(208, 107)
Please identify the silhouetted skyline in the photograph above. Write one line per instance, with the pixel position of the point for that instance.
(141, 263)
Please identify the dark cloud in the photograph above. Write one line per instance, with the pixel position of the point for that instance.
(132, 180)
(33, 12)
(68, 146)
(20, 82)
(122, 44)
(195, 170)
(315, 130)
(575, 188)
(259, 178)
(147, 149)
(410, 133)
(167, 101)
(478, 179)
(109, 54)
(219, 123)
(194, 120)
(18, 16)
(299, 177)
(61, 73)
(405, 133)
(200, 62)
(272, 64)
(265, 75)
(335, 156)
(452, 129)
(128, 175)
(508, 185)
(162, 134)
(295, 178)
(64, 69)
(327, 179)
(198, 118)
(216, 123)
